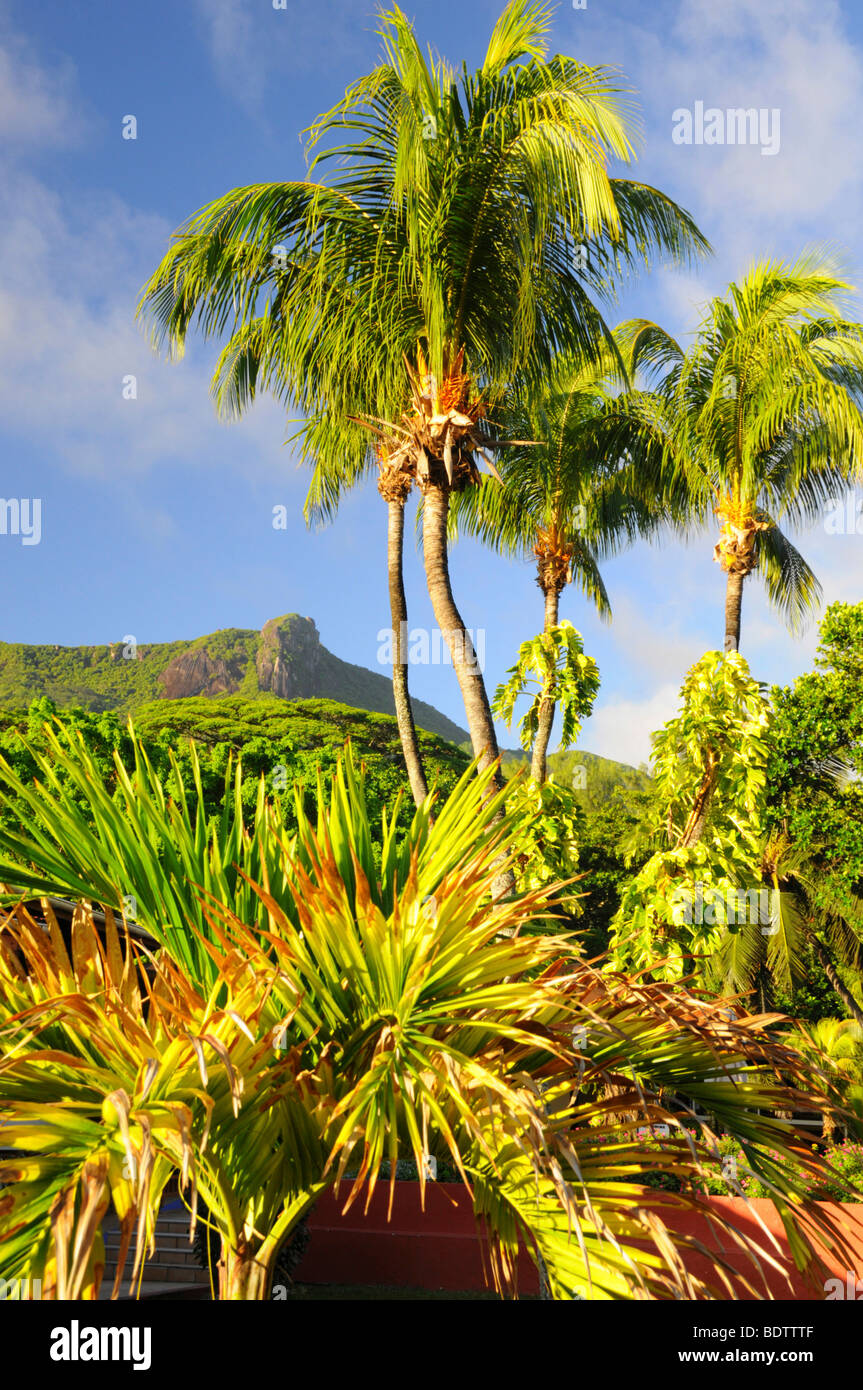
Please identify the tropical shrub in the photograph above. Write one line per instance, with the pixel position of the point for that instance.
(549, 822)
(110, 1089)
(348, 1016)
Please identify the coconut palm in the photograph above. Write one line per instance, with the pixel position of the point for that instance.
(835, 1044)
(758, 423)
(806, 910)
(556, 501)
(464, 224)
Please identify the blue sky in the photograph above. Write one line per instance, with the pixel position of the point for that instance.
(156, 518)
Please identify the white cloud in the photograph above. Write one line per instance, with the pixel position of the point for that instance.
(652, 649)
(621, 729)
(785, 54)
(251, 42)
(231, 40)
(68, 339)
(38, 107)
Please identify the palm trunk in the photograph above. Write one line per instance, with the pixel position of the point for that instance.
(398, 618)
(449, 620)
(835, 982)
(479, 721)
(539, 759)
(765, 991)
(242, 1277)
(733, 604)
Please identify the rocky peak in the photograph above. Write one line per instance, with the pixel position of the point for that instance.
(289, 657)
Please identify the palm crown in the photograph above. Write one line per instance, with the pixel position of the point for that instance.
(444, 213)
(759, 423)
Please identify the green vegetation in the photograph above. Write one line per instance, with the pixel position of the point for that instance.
(343, 980)
(282, 741)
(97, 678)
(815, 770)
(327, 1010)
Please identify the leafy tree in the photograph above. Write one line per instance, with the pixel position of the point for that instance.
(555, 662)
(722, 891)
(815, 771)
(709, 785)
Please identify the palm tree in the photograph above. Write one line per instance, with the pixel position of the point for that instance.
(556, 502)
(759, 421)
(469, 218)
(836, 1044)
(806, 910)
(328, 1022)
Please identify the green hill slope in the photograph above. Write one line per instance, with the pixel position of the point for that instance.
(591, 777)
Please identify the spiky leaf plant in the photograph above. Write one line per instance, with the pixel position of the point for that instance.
(365, 1015)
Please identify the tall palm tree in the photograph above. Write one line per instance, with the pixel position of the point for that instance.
(758, 422)
(465, 221)
(556, 502)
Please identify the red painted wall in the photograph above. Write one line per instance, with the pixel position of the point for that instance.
(439, 1248)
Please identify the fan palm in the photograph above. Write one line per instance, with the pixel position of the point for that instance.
(468, 221)
(344, 1035)
(758, 422)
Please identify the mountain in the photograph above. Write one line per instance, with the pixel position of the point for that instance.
(286, 659)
